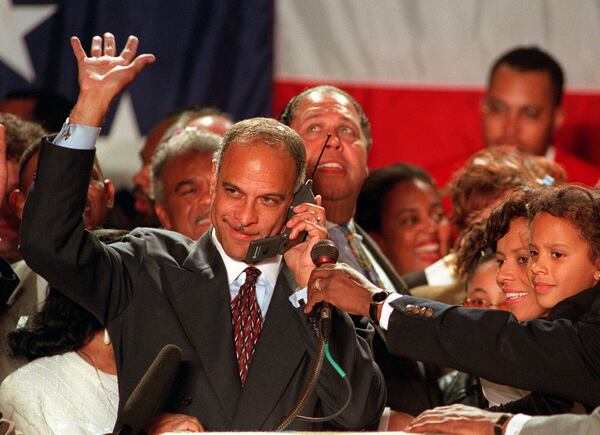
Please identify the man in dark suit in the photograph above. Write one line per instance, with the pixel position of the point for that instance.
(338, 178)
(157, 287)
(559, 357)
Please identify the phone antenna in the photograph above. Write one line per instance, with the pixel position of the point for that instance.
(320, 155)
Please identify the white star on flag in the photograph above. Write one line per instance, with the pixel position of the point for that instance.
(118, 151)
(16, 21)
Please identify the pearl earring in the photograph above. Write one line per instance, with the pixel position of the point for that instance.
(106, 338)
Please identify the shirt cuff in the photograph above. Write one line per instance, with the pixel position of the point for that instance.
(77, 136)
(299, 297)
(516, 423)
(387, 309)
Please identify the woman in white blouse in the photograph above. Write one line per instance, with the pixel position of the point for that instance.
(70, 384)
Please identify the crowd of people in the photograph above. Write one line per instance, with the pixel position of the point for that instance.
(475, 315)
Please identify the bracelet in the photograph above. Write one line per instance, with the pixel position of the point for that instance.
(499, 424)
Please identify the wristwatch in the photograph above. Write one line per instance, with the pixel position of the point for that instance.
(376, 300)
(498, 426)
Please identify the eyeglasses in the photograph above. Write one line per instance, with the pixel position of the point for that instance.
(482, 303)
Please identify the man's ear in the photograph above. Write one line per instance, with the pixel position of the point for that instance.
(213, 178)
(597, 272)
(109, 193)
(559, 117)
(163, 216)
(16, 201)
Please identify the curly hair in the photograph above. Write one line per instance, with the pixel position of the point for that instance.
(515, 206)
(492, 172)
(472, 250)
(577, 204)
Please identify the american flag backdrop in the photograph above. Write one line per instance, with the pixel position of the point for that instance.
(418, 67)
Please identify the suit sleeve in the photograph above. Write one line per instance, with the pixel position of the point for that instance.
(56, 245)
(567, 423)
(354, 356)
(557, 357)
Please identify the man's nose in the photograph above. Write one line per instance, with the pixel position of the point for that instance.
(334, 141)
(246, 214)
(511, 127)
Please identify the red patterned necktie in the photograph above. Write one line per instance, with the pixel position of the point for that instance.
(247, 321)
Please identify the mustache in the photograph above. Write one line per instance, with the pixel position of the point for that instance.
(238, 227)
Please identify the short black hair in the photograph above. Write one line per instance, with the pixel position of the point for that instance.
(372, 197)
(528, 59)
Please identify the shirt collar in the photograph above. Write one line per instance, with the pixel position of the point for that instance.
(269, 267)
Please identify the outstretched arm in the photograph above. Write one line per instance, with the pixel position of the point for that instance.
(103, 75)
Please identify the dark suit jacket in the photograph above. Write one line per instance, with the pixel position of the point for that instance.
(408, 389)
(560, 357)
(158, 287)
(537, 403)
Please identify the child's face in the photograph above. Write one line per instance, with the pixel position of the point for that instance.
(560, 264)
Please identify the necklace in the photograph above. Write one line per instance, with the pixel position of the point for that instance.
(109, 394)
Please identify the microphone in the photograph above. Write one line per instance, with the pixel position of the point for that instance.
(150, 393)
(324, 252)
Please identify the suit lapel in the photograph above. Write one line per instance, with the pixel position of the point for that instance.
(200, 296)
(382, 260)
(279, 351)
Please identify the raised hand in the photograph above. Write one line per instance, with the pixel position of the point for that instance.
(103, 75)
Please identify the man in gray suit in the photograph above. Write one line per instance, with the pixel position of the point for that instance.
(467, 420)
(338, 178)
